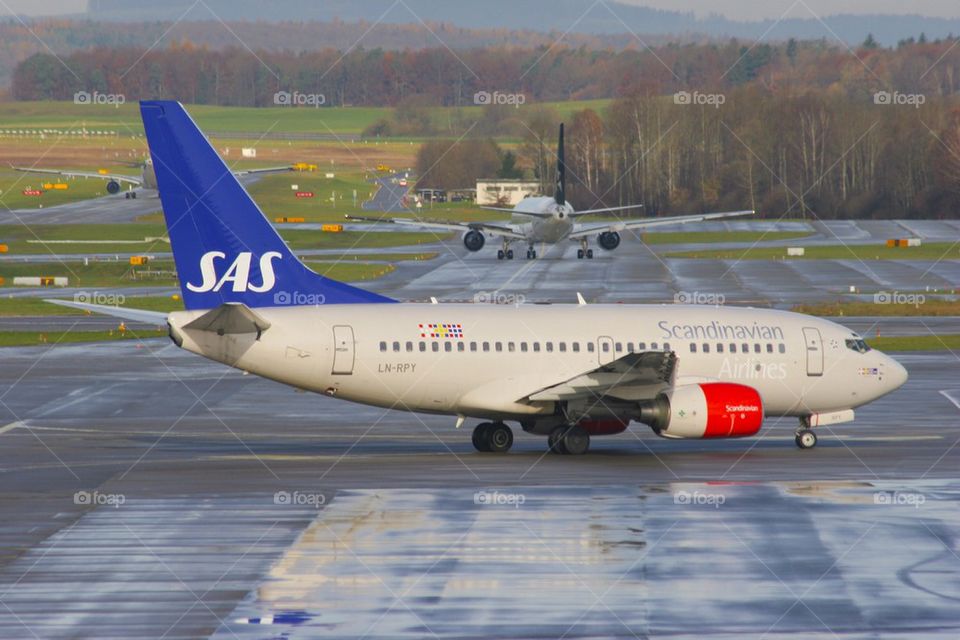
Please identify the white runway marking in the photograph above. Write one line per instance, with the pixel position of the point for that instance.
(946, 394)
(11, 426)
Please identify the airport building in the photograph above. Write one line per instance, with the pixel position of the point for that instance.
(496, 192)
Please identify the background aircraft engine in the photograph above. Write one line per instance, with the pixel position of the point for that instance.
(113, 187)
(473, 240)
(706, 410)
(609, 240)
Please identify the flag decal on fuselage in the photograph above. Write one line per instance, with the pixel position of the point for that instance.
(443, 330)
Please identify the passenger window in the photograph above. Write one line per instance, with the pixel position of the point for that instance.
(423, 346)
(756, 347)
(498, 346)
(606, 347)
(523, 347)
(733, 347)
(473, 346)
(782, 348)
(448, 346)
(550, 347)
(653, 346)
(435, 346)
(629, 347)
(618, 347)
(536, 346)
(693, 347)
(590, 347)
(745, 349)
(719, 347)
(511, 347)
(486, 346)
(769, 348)
(576, 347)
(563, 347)
(383, 346)
(641, 346)
(409, 346)
(396, 346)
(706, 347)
(666, 346)
(461, 346)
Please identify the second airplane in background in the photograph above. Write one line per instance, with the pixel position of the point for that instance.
(545, 220)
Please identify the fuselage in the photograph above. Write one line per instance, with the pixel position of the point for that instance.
(539, 229)
(484, 361)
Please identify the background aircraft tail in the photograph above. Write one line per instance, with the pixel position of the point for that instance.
(224, 247)
(560, 192)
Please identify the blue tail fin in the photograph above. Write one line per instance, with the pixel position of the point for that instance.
(224, 247)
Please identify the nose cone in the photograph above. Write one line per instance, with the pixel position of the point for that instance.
(896, 374)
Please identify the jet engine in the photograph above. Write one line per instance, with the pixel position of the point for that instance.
(604, 426)
(113, 187)
(609, 240)
(705, 410)
(473, 240)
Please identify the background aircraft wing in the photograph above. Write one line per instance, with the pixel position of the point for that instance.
(486, 227)
(634, 376)
(589, 230)
(119, 177)
(246, 172)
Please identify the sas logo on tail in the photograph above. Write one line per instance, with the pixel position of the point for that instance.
(237, 274)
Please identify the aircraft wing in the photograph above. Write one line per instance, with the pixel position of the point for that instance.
(119, 177)
(619, 225)
(634, 376)
(247, 172)
(124, 313)
(486, 227)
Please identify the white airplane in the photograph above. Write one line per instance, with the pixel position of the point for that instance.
(146, 180)
(544, 220)
(566, 372)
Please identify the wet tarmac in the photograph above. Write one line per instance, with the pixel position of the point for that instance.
(214, 503)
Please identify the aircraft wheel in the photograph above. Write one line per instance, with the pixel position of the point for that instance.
(480, 439)
(529, 254)
(806, 439)
(555, 440)
(589, 254)
(579, 254)
(500, 254)
(533, 254)
(509, 254)
(576, 441)
(499, 438)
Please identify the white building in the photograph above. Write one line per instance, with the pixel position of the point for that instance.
(495, 192)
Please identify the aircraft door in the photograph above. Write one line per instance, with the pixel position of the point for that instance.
(814, 345)
(343, 350)
(605, 354)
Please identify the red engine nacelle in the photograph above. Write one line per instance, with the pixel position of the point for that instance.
(706, 410)
(604, 427)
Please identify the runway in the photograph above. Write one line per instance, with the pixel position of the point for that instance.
(218, 504)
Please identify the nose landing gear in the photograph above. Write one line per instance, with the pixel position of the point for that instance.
(805, 438)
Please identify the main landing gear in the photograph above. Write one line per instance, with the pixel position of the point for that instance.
(492, 437)
(569, 439)
(505, 252)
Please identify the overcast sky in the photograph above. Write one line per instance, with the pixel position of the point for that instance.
(736, 9)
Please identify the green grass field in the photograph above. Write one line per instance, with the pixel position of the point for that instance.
(929, 307)
(125, 119)
(932, 251)
(52, 338)
(916, 343)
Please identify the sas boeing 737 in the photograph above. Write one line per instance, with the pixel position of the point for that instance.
(541, 220)
(565, 372)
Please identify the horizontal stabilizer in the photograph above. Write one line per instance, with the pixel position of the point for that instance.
(158, 318)
(229, 318)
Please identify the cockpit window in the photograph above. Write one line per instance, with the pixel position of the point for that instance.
(858, 345)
